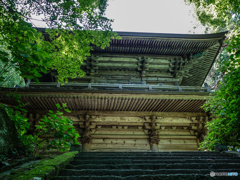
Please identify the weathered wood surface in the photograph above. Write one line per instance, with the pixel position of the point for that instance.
(111, 136)
(180, 149)
(173, 132)
(121, 146)
(117, 131)
(177, 137)
(136, 86)
(120, 150)
(123, 113)
(177, 141)
(177, 146)
(120, 141)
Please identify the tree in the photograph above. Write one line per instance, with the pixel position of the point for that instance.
(224, 104)
(8, 73)
(73, 26)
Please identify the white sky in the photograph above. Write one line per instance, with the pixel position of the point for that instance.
(156, 16)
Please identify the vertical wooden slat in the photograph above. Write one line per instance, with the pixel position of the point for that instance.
(173, 105)
(175, 109)
(143, 104)
(26, 99)
(128, 102)
(106, 103)
(186, 105)
(166, 104)
(95, 103)
(89, 103)
(102, 103)
(124, 105)
(140, 102)
(115, 104)
(79, 102)
(134, 104)
(169, 105)
(99, 104)
(153, 105)
(51, 103)
(159, 102)
(83, 103)
(44, 100)
(40, 102)
(68, 101)
(196, 107)
(92, 103)
(120, 104)
(161, 105)
(147, 105)
(76, 103)
(111, 104)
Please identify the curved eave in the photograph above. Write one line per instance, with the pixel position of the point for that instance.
(170, 35)
(165, 35)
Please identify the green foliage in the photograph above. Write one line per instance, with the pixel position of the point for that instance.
(224, 104)
(58, 126)
(21, 123)
(73, 26)
(219, 15)
(9, 74)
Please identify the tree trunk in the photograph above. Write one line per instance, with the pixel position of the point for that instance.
(8, 136)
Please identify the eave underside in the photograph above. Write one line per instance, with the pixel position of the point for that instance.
(109, 102)
(122, 122)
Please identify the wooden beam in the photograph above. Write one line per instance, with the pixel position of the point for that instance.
(203, 96)
(123, 113)
(176, 141)
(111, 146)
(177, 137)
(177, 146)
(110, 136)
(120, 141)
(133, 55)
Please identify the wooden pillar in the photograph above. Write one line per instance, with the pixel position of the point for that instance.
(86, 147)
(86, 138)
(154, 147)
(153, 135)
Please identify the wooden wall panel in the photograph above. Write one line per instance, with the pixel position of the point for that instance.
(120, 147)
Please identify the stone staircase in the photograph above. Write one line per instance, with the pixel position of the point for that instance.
(149, 165)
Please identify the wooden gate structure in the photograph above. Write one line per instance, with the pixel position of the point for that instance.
(142, 93)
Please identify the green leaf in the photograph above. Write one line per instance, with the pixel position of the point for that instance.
(37, 74)
(67, 110)
(43, 53)
(20, 47)
(58, 106)
(43, 70)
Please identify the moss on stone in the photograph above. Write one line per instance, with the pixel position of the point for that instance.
(45, 169)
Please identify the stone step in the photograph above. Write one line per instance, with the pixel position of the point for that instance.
(129, 161)
(157, 166)
(147, 177)
(152, 154)
(154, 157)
(138, 172)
